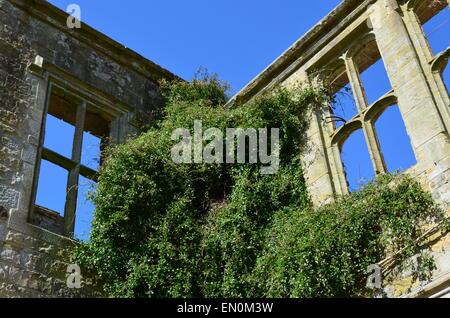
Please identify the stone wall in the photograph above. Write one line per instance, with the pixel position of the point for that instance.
(405, 283)
(37, 48)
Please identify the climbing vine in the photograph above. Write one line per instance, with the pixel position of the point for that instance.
(163, 229)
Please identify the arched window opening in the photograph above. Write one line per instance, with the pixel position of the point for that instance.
(343, 102)
(356, 159)
(435, 17)
(394, 140)
(374, 78)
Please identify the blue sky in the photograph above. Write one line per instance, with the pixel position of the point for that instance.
(236, 39)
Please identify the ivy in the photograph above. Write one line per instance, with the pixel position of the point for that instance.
(225, 230)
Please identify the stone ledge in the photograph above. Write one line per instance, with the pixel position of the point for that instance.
(435, 289)
(25, 282)
(39, 239)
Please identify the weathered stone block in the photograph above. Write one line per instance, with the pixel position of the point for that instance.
(8, 197)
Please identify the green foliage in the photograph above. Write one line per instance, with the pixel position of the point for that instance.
(219, 230)
(325, 252)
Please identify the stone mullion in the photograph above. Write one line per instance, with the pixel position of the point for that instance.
(362, 104)
(374, 148)
(341, 184)
(74, 174)
(355, 82)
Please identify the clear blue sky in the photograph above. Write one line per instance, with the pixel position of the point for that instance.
(236, 39)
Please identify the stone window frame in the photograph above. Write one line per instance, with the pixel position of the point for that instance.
(365, 119)
(87, 98)
(71, 164)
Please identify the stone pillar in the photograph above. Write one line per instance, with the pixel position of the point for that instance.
(339, 173)
(361, 102)
(418, 108)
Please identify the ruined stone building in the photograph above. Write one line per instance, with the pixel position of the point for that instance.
(98, 86)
